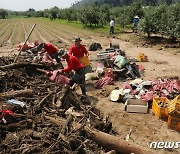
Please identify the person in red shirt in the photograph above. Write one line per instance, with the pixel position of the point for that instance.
(78, 50)
(51, 50)
(77, 66)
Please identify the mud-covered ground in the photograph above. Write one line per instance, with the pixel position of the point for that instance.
(163, 60)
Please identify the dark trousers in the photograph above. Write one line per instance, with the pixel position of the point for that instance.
(55, 56)
(112, 29)
(79, 78)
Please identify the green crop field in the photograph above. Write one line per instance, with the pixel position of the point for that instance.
(60, 32)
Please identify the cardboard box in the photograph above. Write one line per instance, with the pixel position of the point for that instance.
(136, 105)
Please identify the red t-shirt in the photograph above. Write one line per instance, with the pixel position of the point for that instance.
(49, 48)
(78, 51)
(73, 64)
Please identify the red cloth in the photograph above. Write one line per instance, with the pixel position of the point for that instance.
(73, 64)
(26, 46)
(177, 85)
(148, 96)
(169, 85)
(108, 73)
(103, 82)
(47, 58)
(58, 78)
(4, 113)
(49, 48)
(126, 86)
(78, 51)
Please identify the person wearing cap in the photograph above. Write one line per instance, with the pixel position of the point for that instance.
(135, 23)
(78, 50)
(50, 49)
(74, 64)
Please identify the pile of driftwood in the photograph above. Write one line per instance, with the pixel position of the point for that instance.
(54, 119)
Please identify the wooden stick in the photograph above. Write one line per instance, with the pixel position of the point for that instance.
(17, 93)
(25, 42)
(41, 103)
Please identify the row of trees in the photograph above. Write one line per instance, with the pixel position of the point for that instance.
(163, 19)
(121, 3)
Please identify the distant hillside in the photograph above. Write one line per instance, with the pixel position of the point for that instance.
(121, 2)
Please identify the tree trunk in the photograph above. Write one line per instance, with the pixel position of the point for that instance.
(17, 93)
(106, 140)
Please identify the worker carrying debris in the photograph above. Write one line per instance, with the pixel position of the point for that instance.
(51, 50)
(77, 66)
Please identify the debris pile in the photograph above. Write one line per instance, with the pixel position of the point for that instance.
(30, 128)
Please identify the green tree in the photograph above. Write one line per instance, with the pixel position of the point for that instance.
(147, 24)
(3, 13)
(54, 12)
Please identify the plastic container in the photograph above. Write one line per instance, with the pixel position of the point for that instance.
(142, 58)
(85, 61)
(159, 111)
(174, 123)
(13, 101)
(174, 107)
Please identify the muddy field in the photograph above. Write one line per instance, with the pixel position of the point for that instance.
(163, 62)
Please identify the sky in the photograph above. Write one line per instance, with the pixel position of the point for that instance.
(23, 5)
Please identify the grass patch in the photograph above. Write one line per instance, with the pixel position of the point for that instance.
(79, 25)
(16, 16)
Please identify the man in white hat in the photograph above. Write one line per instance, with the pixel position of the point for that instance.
(135, 23)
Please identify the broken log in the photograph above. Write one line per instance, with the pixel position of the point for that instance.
(17, 93)
(22, 64)
(106, 140)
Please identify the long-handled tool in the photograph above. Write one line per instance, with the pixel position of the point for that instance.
(25, 42)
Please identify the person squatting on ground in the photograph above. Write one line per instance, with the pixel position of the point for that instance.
(74, 64)
(51, 50)
(111, 26)
(78, 50)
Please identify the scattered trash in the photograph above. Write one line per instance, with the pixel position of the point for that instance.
(95, 47)
(142, 57)
(136, 105)
(91, 76)
(120, 61)
(5, 113)
(73, 113)
(99, 68)
(115, 95)
(13, 101)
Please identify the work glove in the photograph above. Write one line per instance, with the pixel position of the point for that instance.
(60, 71)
